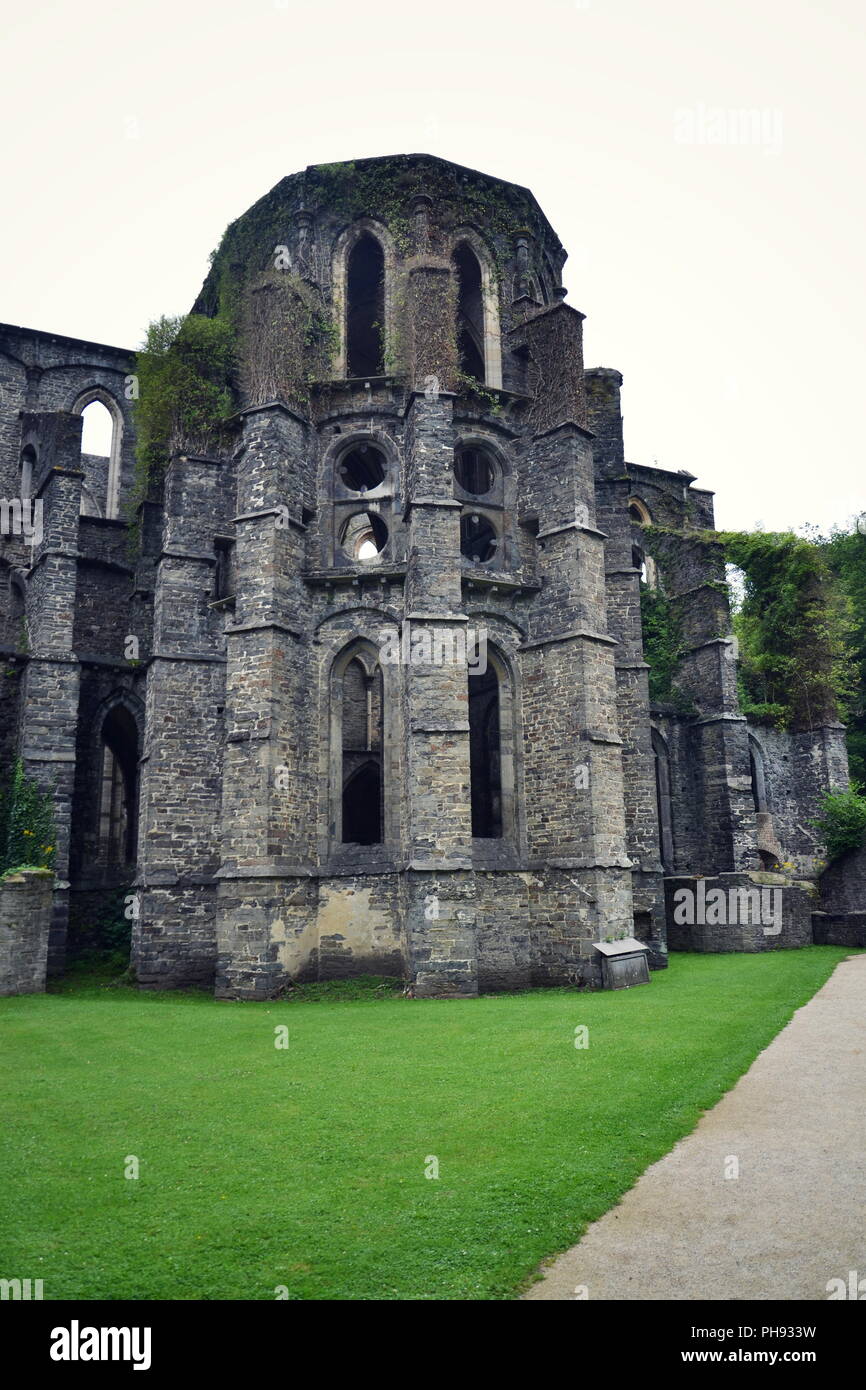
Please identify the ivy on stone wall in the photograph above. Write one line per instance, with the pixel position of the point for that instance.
(662, 642)
(842, 823)
(796, 668)
(185, 374)
(793, 630)
(27, 833)
(845, 552)
(287, 337)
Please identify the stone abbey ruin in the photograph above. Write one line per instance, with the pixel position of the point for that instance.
(340, 668)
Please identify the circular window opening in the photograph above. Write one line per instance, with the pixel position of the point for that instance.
(474, 470)
(362, 468)
(364, 536)
(478, 540)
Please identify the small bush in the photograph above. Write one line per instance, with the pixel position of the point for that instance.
(842, 825)
(27, 834)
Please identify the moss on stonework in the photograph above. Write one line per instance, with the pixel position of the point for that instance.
(795, 668)
(793, 628)
(662, 645)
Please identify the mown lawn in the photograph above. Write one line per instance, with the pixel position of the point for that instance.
(305, 1166)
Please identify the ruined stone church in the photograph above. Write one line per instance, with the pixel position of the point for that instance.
(351, 679)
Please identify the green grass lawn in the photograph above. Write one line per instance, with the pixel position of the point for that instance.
(305, 1167)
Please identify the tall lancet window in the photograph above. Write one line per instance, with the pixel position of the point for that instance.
(362, 734)
(470, 312)
(118, 788)
(365, 308)
(485, 755)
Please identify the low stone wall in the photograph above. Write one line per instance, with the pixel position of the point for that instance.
(839, 928)
(841, 918)
(739, 912)
(25, 921)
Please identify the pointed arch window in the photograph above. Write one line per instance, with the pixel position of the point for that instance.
(358, 737)
(117, 831)
(365, 308)
(492, 749)
(470, 312)
(101, 440)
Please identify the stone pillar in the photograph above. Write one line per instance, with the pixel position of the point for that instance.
(574, 791)
(49, 703)
(820, 765)
(693, 572)
(174, 939)
(25, 923)
(632, 672)
(440, 912)
(431, 304)
(266, 894)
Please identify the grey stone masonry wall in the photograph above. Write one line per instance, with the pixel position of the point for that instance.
(839, 918)
(49, 704)
(693, 575)
(213, 698)
(622, 576)
(25, 923)
(739, 912)
(267, 794)
(435, 718)
(174, 934)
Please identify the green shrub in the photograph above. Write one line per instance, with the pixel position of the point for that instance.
(662, 643)
(185, 390)
(846, 555)
(842, 824)
(793, 628)
(27, 833)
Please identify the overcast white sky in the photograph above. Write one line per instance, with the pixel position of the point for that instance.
(725, 280)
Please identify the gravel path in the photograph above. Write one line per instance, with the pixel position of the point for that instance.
(795, 1217)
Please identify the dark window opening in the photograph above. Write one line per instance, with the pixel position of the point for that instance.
(362, 807)
(364, 536)
(485, 759)
(222, 582)
(362, 756)
(365, 308)
(478, 540)
(474, 470)
(362, 468)
(470, 313)
(17, 600)
(643, 926)
(118, 788)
